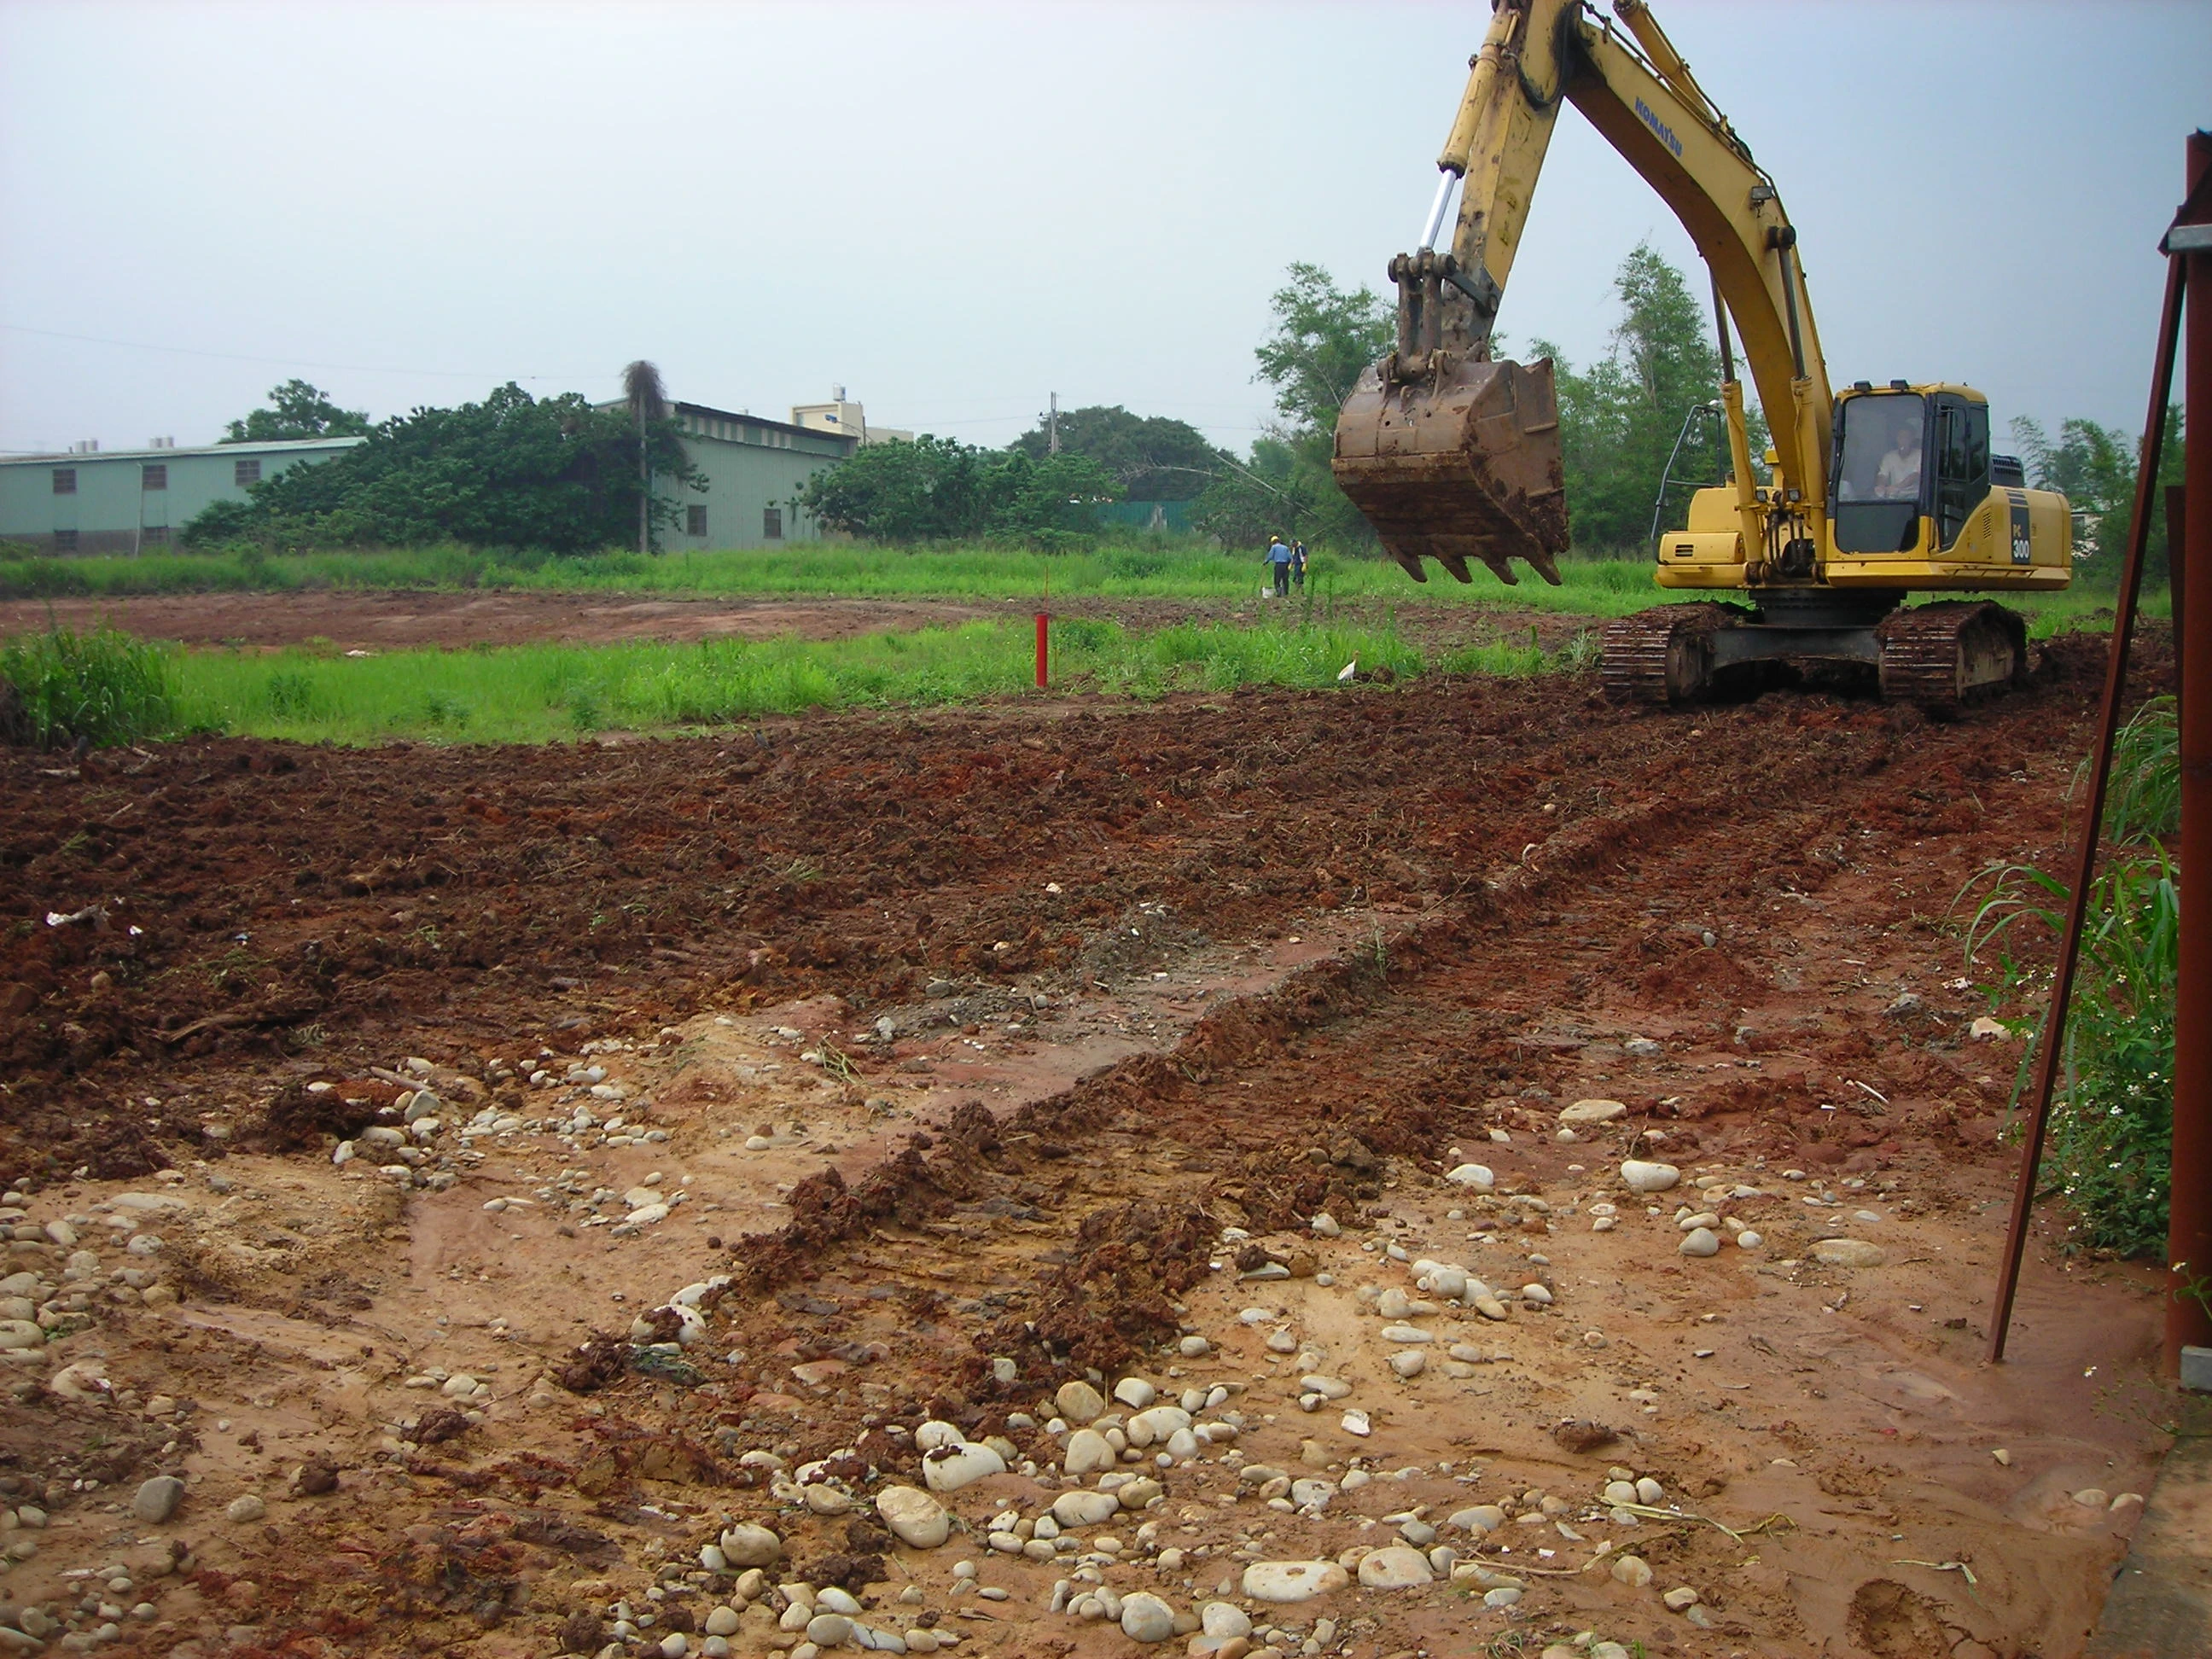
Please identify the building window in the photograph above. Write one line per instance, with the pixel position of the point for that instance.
(154, 535)
(243, 473)
(65, 481)
(156, 477)
(694, 520)
(66, 541)
(772, 523)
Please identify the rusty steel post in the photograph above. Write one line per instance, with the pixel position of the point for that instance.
(2189, 1227)
(2052, 1042)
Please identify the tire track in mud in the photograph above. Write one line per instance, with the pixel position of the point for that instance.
(1467, 972)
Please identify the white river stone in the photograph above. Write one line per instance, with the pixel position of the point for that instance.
(951, 1468)
(1293, 1581)
(1398, 1566)
(917, 1518)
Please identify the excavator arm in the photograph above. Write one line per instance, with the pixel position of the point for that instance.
(1454, 455)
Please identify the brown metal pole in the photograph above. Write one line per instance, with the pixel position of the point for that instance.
(2189, 1226)
(2085, 852)
(2177, 519)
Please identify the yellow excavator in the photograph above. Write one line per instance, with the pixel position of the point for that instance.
(1869, 492)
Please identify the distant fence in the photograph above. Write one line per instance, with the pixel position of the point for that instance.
(1172, 516)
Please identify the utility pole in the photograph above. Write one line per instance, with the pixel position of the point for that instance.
(1052, 428)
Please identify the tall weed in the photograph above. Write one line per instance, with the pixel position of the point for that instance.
(2111, 1122)
(103, 688)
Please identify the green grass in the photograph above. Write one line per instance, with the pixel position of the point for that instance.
(102, 688)
(1156, 567)
(2111, 1122)
(540, 693)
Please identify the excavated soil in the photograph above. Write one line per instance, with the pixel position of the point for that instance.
(952, 1058)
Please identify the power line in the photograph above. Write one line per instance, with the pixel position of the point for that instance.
(280, 362)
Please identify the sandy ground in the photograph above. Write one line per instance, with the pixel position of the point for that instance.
(950, 1062)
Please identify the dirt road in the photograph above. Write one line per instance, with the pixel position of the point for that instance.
(851, 1087)
(349, 621)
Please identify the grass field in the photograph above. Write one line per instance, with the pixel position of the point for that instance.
(540, 693)
(1135, 569)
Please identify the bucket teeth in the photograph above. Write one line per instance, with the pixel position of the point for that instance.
(1462, 464)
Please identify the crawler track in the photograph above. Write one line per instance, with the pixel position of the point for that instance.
(1662, 655)
(1943, 655)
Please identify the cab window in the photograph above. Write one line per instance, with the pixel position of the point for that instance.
(1880, 451)
(1962, 462)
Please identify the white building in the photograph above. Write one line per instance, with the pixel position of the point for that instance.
(839, 414)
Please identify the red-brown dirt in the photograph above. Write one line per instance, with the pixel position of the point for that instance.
(1144, 975)
(350, 620)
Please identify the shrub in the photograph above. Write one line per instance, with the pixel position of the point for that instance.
(2112, 1121)
(103, 687)
(935, 488)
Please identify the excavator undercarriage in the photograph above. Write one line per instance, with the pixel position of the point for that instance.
(1941, 656)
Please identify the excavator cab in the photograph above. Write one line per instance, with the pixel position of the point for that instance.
(1881, 458)
(1910, 469)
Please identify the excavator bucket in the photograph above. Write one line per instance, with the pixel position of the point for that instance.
(1460, 465)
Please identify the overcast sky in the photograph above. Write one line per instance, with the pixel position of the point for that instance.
(956, 210)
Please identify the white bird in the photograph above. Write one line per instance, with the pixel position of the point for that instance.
(1347, 671)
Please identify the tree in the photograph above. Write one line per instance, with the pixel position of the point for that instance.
(297, 410)
(2094, 468)
(1620, 418)
(510, 471)
(941, 490)
(642, 391)
(1153, 458)
(1249, 505)
(1324, 339)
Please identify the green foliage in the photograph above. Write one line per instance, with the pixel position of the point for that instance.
(2142, 801)
(541, 693)
(1139, 567)
(1152, 458)
(1323, 340)
(1618, 419)
(941, 490)
(512, 470)
(219, 524)
(297, 410)
(103, 687)
(2112, 1125)
(1279, 493)
(2094, 467)
(291, 695)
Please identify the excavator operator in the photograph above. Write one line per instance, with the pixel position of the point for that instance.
(1898, 479)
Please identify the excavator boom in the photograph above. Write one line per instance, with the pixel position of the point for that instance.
(1501, 495)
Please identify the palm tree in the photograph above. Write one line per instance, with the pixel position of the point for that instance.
(648, 401)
